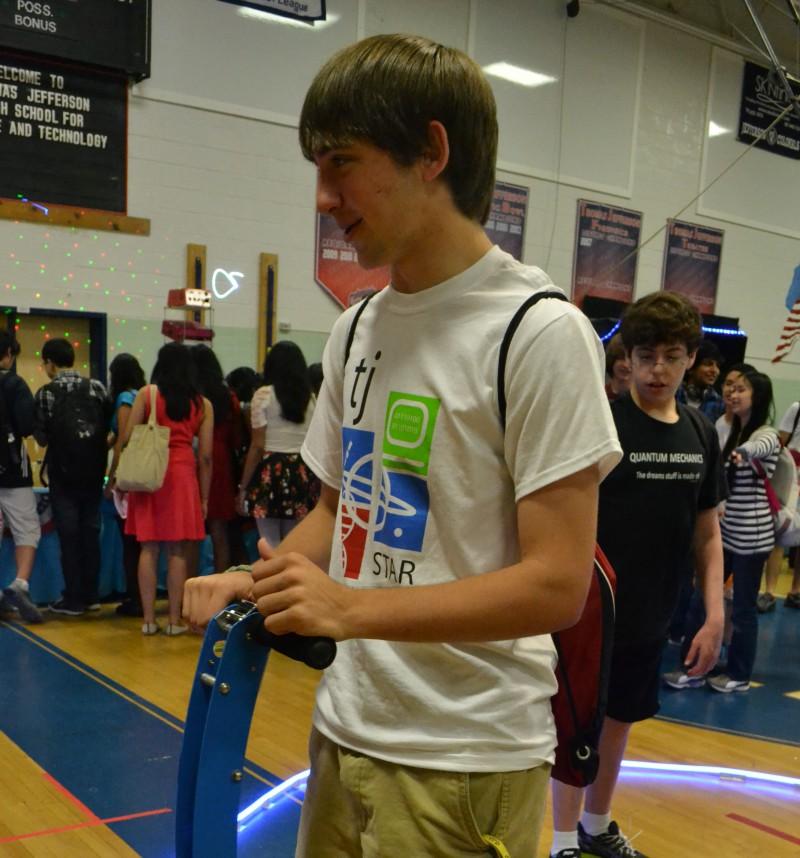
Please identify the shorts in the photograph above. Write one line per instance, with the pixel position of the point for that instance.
(360, 807)
(635, 679)
(21, 517)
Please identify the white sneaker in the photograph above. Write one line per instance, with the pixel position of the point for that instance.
(726, 685)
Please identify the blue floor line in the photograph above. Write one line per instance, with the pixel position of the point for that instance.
(115, 757)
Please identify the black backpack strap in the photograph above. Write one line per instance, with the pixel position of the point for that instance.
(353, 325)
(506, 344)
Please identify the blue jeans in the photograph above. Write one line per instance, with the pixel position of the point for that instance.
(746, 570)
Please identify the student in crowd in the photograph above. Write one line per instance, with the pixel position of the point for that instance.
(126, 378)
(725, 421)
(698, 388)
(227, 439)
(789, 433)
(17, 501)
(175, 513)
(657, 508)
(748, 532)
(453, 547)
(72, 418)
(618, 369)
(278, 489)
(315, 377)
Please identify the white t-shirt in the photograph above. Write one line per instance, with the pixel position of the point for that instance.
(723, 430)
(282, 435)
(428, 482)
(787, 424)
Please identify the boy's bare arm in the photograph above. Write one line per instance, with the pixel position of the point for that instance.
(704, 650)
(542, 593)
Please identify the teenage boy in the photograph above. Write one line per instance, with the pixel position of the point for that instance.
(657, 506)
(72, 419)
(698, 389)
(17, 501)
(452, 547)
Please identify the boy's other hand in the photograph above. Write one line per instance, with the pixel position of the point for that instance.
(295, 595)
(704, 651)
(204, 597)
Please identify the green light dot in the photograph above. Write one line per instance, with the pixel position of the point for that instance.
(119, 343)
(69, 254)
(107, 292)
(46, 246)
(88, 341)
(112, 268)
(37, 354)
(82, 309)
(42, 328)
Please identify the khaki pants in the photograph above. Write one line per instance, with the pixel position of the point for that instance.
(360, 807)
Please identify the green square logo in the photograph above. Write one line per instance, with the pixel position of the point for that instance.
(408, 433)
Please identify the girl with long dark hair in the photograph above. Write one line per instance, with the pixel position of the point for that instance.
(227, 438)
(748, 531)
(126, 378)
(174, 514)
(277, 488)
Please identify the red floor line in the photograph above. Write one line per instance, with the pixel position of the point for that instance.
(93, 823)
(765, 828)
(71, 798)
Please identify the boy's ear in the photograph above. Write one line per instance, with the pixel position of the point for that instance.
(692, 356)
(437, 153)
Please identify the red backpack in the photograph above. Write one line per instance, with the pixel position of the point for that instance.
(584, 650)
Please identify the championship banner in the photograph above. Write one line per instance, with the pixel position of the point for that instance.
(764, 98)
(606, 238)
(692, 255)
(506, 224)
(336, 268)
(301, 10)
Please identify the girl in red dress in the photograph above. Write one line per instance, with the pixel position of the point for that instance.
(176, 512)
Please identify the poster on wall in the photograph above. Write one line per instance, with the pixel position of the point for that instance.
(300, 10)
(692, 255)
(506, 223)
(764, 98)
(62, 134)
(604, 263)
(336, 267)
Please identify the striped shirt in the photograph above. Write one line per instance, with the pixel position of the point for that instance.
(748, 526)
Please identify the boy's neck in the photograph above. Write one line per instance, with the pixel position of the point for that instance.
(666, 411)
(444, 248)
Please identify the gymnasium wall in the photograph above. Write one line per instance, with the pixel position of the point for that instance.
(213, 159)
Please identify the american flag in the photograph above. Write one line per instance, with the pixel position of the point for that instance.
(791, 327)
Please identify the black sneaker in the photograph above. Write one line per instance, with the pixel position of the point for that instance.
(68, 609)
(792, 600)
(610, 844)
(20, 600)
(129, 608)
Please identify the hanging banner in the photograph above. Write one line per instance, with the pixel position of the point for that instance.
(763, 99)
(337, 270)
(692, 255)
(301, 10)
(604, 263)
(506, 223)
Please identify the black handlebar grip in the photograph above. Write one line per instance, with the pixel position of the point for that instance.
(316, 652)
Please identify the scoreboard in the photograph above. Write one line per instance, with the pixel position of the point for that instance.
(112, 34)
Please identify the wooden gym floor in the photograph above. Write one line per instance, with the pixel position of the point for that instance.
(91, 715)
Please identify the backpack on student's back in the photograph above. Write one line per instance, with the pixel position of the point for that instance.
(10, 456)
(783, 493)
(584, 650)
(77, 447)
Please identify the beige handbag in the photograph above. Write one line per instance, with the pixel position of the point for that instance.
(143, 462)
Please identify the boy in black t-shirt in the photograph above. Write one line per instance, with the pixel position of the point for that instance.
(657, 509)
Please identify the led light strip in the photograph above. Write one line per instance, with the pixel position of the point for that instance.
(630, 765)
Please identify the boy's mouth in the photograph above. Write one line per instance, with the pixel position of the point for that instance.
(348, 229)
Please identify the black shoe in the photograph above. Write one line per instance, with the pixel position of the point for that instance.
(20, 600)
(129, 608)
(68, 609)
(792, 600)
(610, 844)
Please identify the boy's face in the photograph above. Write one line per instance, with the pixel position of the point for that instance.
(375, 202)
(657, 371)
(706, 373)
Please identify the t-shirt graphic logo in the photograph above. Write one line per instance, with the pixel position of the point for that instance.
(401, 512)
(404, 501)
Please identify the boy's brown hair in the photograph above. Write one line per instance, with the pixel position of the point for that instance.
(661, 318)
(385, 90)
